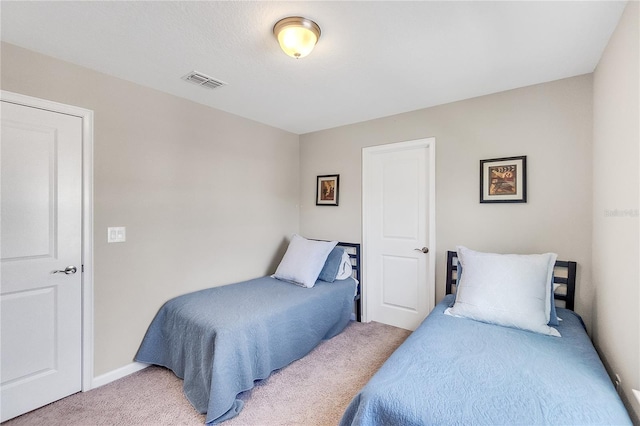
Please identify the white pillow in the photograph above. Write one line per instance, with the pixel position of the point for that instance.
(345, 270)
(506, 289)
(303, 261)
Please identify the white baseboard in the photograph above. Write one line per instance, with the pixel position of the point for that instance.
(117, 374)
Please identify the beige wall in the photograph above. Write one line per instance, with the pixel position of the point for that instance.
(549, 123)
(616, 137)
(207, 197)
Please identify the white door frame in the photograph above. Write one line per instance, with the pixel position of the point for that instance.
(87, 218)
(367, 154)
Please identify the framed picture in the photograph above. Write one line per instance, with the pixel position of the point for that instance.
(503, 180)
(327, 190)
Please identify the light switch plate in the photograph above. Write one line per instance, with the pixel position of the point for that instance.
(116, 234)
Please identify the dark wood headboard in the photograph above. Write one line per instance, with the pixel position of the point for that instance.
(353, 249)
(567, 280)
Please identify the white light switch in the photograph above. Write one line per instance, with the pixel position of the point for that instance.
(116, 234)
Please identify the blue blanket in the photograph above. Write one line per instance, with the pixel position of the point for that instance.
(221, 339)
(459, 371)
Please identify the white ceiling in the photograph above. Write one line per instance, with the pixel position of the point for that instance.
(374, 58)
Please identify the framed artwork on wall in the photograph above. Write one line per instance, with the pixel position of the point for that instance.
(327, 190)
(503, 180)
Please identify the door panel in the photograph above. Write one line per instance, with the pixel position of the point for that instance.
(27, 180)
(400, 195)
(41, 187)
(400, 282)
(32, 314)
(396, 208)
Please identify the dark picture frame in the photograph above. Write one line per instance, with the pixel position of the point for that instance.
(327, 190)
(503, 180)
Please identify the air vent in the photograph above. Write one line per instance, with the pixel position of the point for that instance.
(200, 79)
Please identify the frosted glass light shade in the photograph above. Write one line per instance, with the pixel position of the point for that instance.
(297, 36)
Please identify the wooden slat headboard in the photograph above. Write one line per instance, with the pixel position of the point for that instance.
(353, 249)
(566, 278)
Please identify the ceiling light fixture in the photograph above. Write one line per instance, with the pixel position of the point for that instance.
(297, 35)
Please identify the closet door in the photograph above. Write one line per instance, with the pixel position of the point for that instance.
(41, 250)
(398, 209)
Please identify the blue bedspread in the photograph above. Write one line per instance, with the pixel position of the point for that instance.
(221, 339)
(459, 371)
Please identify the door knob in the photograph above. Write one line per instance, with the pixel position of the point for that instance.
(69, 270)
(423, 249)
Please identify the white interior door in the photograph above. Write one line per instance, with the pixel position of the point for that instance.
(399, 281)
(41, 232)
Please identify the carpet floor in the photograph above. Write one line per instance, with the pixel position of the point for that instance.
(314, 390)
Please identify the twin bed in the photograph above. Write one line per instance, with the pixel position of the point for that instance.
(220, 340)
(458, 367)
(457, 370)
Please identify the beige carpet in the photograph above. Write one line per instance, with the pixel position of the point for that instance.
(312, 391)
